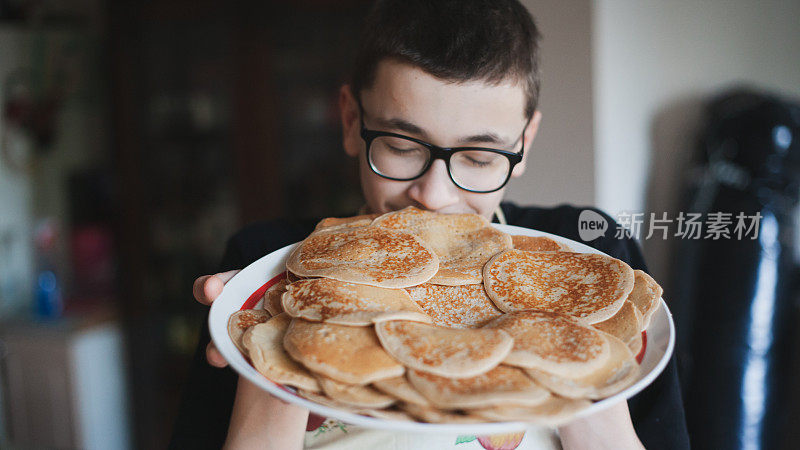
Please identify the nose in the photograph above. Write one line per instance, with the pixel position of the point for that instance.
(434, 190)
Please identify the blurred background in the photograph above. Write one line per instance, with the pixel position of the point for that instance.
(137, 136)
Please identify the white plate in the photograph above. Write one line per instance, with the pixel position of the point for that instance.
(252, 280)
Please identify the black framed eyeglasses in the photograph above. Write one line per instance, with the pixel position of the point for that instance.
(404, 158)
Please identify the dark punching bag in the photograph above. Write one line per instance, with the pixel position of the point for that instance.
(735, 297)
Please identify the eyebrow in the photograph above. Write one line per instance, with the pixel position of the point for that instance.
(484, 138)
(405, 126)
(402, 125)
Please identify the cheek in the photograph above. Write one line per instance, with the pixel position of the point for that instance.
(379, 191)
(484, 204)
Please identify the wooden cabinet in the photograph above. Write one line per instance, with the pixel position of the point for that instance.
(224, 113)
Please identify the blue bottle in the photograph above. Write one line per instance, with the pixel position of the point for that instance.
(48, 296)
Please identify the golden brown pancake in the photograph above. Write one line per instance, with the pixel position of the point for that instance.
(625, 326)
(400, 388)
(264, 343)
(322, 399)
(635, 344)
(645, 296)
(435, 415)
(465, 306)
(369, 255)
(427, 223)
(500, 386)
(387, 414)
(351, 355)
(619, 372)
(354, 395)
(589, 287)
(332, 223)
(241, 321)
(449, 352)
(553, 412)
(463, 242)
(291, 277)
(272, 298)
(339, 302)
(552, 342)
(538, 244)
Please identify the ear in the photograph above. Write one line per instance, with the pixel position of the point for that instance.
(351, 125)
(530, 134)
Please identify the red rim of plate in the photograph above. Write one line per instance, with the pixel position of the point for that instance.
(256, 296)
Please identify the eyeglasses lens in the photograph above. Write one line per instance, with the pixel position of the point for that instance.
(479, 170)
(398, 158)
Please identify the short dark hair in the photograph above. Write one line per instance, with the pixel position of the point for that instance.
(456, 40)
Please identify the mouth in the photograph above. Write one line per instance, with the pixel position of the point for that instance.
(449, 210)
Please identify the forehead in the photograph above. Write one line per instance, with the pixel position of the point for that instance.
(442, 107)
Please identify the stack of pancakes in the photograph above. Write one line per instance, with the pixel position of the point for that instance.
(414, 315)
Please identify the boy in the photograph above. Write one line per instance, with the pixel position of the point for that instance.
(431, 78)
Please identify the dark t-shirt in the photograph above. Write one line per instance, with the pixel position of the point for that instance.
(657, 411)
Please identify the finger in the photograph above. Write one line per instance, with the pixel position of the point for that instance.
(214, 357)
(214, 284)
(208, 287)
(199, 292)
(226, 276)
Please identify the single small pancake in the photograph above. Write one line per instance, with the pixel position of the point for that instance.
(448, 352)
(400, 388)
(538, 244)
(246, 338)
(552, 342)
(620, 371)
(333, 223)
(465, 306)
(387, 414)
(635, 344)
(351, 355)
(463, 242)
(264, 343)
(427, 223)
(502, 385)
(465, 256)
(354, 395)
(434, 415)
(291, 277)
(272, 298)
(241, 321)
(368, 255)
(645, 296)
(589, 287)
(324, 400)
(553, 412)
(625, 325)
(339, 302)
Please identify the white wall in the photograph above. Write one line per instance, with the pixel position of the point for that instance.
(561, 162)
(653, 64)
(16, 267)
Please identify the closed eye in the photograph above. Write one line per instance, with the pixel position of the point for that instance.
(478, 162)
(401, 150)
